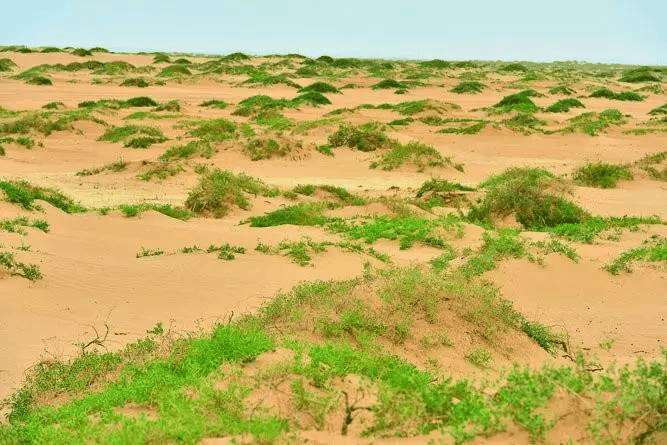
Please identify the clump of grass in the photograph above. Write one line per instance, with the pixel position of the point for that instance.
(526, 194)
(53, 106)
(170, 105)
(517, 102)
(138, 82)
(51, 49)
(389, 84)
(116, 166)
(601, 174)
(298, 251)
(134, 136)
(260, 103)
(273, 120)
(592, 123)
(218, 191)
(14, 267)
(471, 87)
(24, 194)
(564, 105)
(140, 101)
(513, 67)
(438, 64)
(320, 87)
(625, 95)
(590, 228)
(416, 153)
(214, 103)
(134, 210)
(201, 147)
(174, 71)
(662, 109)
(303, 214)
(7, 65)
(39, 80)
(651, 165)
(312, 98)
(267, 148)
(161, 170)
(82, 52)
(143, 252)
(441, 192)
(641, 74)
(561, 89)
(226, 251)
(161, 58)
(653, 249)
(523, 122)
(473, 128)
(213, 130)
(17, 224)
(367, 137)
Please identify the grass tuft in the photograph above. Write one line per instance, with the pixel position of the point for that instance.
(601, 174)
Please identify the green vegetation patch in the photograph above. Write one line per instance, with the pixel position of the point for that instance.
(471, 87)
(517, 102)
(366, 137)
(652, 250)
(592, 123)
(24, 194)
(625, 95)
(214, 103)
(134, 136)
(601, 174)
(320, 87)
(564, 105)
(9, 263)
(219, 191)
(414, 153)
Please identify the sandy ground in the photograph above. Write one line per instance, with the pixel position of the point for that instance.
(93, 278)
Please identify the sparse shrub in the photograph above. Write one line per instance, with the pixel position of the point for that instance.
(435, 63)
(161, 170)
(182, 62)
(214, 130)
(662, 109)
(601, 174)
(260, 148)
(134, 136)
(171, 105)
(311, 98)
(204, 148)
(273, 120)
(523, 122)
(214, 103)
(519, 102)
(140, 101)
(39, 80)
(641, 74)
(561, 89)
(472, 87)
(138, 82)
(525, 193)
(53, 106)
(592, 123)
(82, 52)
(219, 190)
(564, 105)
(24, 194)
(7, 65)
(174, 70)
(362, 138)
(513, 67)
(29, 271)
(235, 57)
(389, 84)
(51, 49)
(625, 95)
(320, 87)
(161, 58)
(98, 49)
(464, 64)
(416, 153)
(325, 59)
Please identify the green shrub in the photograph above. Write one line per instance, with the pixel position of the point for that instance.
(266, 148)
(219, 190)
(135, 136)
(592, 123)
(82, 52)
(601, 174)
(304, 214)
(641, 74)
(182, 62)
(625, 95)
(214, 130)
(53, 106)
(524, 193)
(140, 101)
(513, 67)
(564, 105)
(320, 87)
(161, 58)
(135, 82)
(389, 84)
(519, 102)
(39, 80)
(214, 103)
(561, 89)
(362, 138)
(235, 57)
(325, 59)
(662, 109)
(51, 49)
(312, 98)
(24, 194)
(472, 87)
(174, 70)
(416, 153)
(7, 65)
(435, 63)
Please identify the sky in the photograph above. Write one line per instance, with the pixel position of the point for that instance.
(632, 32)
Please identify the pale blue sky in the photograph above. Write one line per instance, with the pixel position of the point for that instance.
(591, 30)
